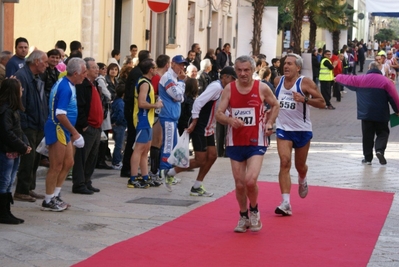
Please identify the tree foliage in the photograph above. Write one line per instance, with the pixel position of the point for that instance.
(385, 35)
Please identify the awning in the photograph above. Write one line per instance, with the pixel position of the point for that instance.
(383, 8)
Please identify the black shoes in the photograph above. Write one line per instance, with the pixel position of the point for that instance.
(125, 173)
(82, 190)
(104, 166)
(381, 158)
(95, 190)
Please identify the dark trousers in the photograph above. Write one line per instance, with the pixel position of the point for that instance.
(220, 139)
(86, 158)
(361, 64)
(337, 91)
(325, 88)
(26, 176)
(103, 150)
(127, 153)
(369, 130)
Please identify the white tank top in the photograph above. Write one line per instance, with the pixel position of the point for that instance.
(293, 116)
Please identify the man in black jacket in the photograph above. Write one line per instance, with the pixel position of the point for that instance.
(224, 57)
(361, 58)
(88, 124)
(32, 123)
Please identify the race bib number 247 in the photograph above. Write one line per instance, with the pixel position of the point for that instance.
(247, 115)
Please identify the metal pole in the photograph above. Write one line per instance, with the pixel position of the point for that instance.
(1, 26)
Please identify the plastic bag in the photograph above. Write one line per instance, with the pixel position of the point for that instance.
(180, 156)
(42, 148)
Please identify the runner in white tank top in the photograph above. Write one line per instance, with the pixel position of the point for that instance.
(294, 129)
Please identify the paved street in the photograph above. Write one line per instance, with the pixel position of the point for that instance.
(100, 220)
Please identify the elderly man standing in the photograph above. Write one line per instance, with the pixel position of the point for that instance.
(32, 122)
(61, 133)
(374, 92)
(88, 124)
(4, 58)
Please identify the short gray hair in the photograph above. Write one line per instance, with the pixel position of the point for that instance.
(75, 65)
(87, 60)
(249, 59)
(374, 65)
(5, 54)
(298, 59)
(191, 67)
(35, 55)
(205, 63)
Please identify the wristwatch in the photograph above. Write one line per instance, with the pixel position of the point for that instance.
(306, 99)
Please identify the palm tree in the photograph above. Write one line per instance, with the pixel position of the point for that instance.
(256, 41)
(342, 14)
(296, 31)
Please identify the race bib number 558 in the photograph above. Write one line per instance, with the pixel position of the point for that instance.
(286, 104)
(247, 115)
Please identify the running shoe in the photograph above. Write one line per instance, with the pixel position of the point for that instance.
(152, 183)
(175, 180)
(53, 205)
(200, 192)
(155, 177)
(303, 189)
(62, 203)
(168, 180)
(138, 183)
(284, 209)
(255, 223)
(381, 158)
(243, 225)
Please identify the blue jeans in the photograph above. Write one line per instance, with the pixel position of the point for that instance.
(119, 138)
(8, 171)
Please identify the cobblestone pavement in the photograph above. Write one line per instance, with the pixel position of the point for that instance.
(97, 221)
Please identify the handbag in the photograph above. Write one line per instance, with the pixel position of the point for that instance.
(42, 148)
(180, 156)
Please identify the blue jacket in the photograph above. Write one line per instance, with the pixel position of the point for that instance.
(34, 100)
(374, 91)
(117, 113)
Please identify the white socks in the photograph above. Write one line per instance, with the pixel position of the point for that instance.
(48, 198)
(172, 172)
(57, 191)
(197, 184)
(301, 180)
(286, 197)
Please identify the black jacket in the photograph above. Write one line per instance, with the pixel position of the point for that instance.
(221, 60)
(49, 77)
(132, 79)
(34, 100)
(83, 99)
(203, 81)
(12, 138)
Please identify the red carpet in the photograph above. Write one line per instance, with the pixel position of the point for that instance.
(331, 227)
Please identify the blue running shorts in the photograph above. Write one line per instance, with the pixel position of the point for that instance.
(143, 136)
(242, 153)
(298, 138)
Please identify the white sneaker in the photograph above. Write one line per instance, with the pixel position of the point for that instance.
(284, 209)
(254, 219)
(303, 189)
(117, 166)
(243, 225)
